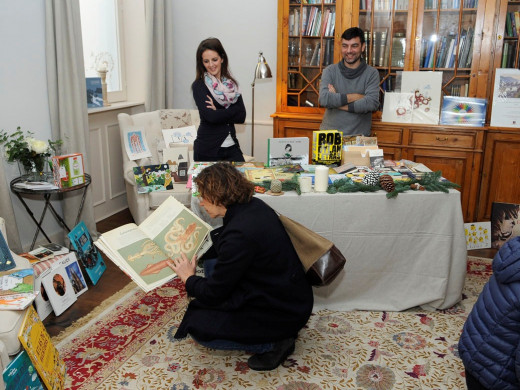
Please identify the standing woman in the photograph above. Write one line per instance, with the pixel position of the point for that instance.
(220, 105)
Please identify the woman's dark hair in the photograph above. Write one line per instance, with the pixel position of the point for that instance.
(215, 45)
(222, 184)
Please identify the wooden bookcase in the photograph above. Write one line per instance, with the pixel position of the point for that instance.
(426, 30)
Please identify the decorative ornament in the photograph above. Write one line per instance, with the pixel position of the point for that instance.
(417, 186)
(276, 186)
(371, 178)
(387, 183)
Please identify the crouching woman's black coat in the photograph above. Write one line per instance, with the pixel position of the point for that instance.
(258, 292)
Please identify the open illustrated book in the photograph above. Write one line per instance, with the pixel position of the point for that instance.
(142, 251)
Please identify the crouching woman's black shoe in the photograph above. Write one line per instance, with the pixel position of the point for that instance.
(270, 360)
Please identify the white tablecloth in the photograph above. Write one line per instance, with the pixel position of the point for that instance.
(401, 252)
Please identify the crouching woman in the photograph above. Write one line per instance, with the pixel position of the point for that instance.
(256, 297)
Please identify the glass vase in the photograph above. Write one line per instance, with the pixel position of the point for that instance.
(35, 169)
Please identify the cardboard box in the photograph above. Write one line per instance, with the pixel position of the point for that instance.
(68, 170)
(357, 155)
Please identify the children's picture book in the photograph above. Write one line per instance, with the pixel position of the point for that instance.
(16, 301)
(287, 151)
(42, 253)
(32, 259)
(56, 249)
(42, 352)
(87, 252)
(398, 107)
(180, 135)
(463, 111)
(42, 303)
(20, 374)
(136, 146)
(505, 110)
(505, 223)
(478, 235)
(77, 280)
(142, 251)
(59, 288)
(17, 281)
(6, 258)
(94, 92)
(151, 178)
(426, 90)
(327, 147)
(178, 159)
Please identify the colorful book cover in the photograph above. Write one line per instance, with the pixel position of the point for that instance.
(73, 270)
(87, 252)
(94, 92)
(20, 374)
(43, 354)
(463, 111)
(327, 147)
(18, 281)
(287, 151)
(59, 289)
(6, 258)
(180, 136)
(42, 303)
(478, 235)
(426, 90)
(177, 159)
(151, 178)
(505, 223)
(136, 146)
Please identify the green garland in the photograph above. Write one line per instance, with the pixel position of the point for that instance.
(430, 181)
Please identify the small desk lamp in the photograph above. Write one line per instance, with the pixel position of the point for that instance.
(262, 71)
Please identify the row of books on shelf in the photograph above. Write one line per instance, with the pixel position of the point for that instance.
(450, 4)
(313, 1)
(512, 24)
(312, 21)
(379, 45)
(444, 52)
(509, 55)
(382, 5)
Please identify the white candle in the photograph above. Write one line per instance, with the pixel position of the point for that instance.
(321, 178)
(305, 184)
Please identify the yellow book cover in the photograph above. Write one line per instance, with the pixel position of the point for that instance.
(44, 355)
(327, 146)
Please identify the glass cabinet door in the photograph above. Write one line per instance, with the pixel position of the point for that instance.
(511, 29)
(310, 48)
(385, 24)
(447, 43)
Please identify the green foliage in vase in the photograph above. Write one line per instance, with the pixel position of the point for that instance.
(32, 153)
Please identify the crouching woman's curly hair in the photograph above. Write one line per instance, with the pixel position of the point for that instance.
(222, 184)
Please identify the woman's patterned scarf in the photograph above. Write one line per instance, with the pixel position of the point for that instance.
(224, 91)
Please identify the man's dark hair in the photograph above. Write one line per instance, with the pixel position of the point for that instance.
(353, 32)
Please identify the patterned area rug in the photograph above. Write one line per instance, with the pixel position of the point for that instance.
(130, 345)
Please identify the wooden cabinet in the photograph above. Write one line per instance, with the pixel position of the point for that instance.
(455, 151)
(501, 170)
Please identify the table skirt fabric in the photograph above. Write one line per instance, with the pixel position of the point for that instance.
(403, 252)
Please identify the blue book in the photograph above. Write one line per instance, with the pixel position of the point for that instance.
(6, 258)
(87, 252)
(20, 374)
(94, 92)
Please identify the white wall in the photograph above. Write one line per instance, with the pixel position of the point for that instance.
(23, 91)
(244, 27)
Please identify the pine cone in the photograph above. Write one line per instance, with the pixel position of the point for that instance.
(387, 183)
(371, 178)
(276, 186)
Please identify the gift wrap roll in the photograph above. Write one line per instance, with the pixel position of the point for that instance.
(305, 184)
(321, 178)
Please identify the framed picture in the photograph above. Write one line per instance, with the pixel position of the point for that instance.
(94, 92)
(505, 223)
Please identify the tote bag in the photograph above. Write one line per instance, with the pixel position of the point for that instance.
(321, 259)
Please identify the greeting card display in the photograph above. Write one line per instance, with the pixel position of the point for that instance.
(87, 252)
(463, 111)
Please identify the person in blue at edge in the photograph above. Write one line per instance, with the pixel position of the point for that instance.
(220, 105)
(489, 345)
(254, 296)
